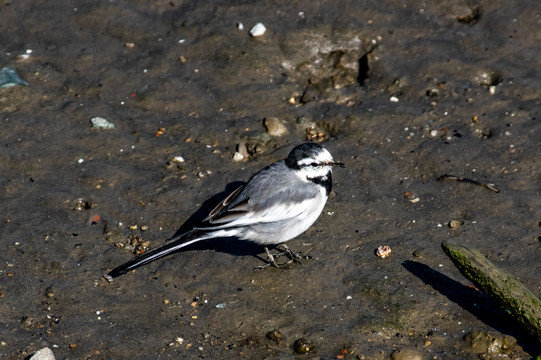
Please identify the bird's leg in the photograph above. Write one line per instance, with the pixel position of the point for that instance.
(294, 256)
(272, 261)
(290, 254)
(271, 258)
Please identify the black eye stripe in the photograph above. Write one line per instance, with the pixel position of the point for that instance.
(310, 164)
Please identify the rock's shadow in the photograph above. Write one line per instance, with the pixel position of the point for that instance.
(475, 302)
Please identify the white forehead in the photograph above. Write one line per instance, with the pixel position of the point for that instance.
(321, 156)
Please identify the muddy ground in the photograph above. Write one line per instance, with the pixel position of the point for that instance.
(401, 91)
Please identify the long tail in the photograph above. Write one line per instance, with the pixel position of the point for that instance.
(158, 252)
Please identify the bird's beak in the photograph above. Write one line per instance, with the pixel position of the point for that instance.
(337, 163)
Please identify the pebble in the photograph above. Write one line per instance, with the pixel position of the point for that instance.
(275, 127)
(43, 354)
(242, 149)
(412, 197)
(9, 77)
(238, 156)
(315, 131)
(101, 123)
(81, 204)
(470, 14)
(487, 343)
(383, 251)
(241, 153)
(258, 30)
(454, 224)
(28, 322)
(144, 244)
(406, 354)
(418, 253)
(303, 346)
(25, 56)
(488, 78)
(275, 336)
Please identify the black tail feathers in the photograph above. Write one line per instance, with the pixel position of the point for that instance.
(167, 248)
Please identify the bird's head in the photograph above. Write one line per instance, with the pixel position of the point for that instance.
(311, 161)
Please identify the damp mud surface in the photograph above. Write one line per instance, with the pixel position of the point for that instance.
(403, 92)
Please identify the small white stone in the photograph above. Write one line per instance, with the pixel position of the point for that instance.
(99, 122)
(179, 159)
(434, 133)
(258, 30)
(43, 354)
(240, 26)
(393, 99)
(238, 156)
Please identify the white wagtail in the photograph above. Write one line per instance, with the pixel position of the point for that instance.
(277, 204)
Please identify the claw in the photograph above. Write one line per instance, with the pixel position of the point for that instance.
(293, 257)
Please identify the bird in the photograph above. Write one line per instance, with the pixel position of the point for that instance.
(277, 204)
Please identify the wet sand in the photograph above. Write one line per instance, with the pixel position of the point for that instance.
(401, 91)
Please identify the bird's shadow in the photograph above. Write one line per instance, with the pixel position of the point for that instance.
(229, 245)
(475, 302)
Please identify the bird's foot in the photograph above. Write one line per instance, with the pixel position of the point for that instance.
(285, 250)
(271, 262)
(294, 256)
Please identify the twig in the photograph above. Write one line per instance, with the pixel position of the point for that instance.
(489, 186)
